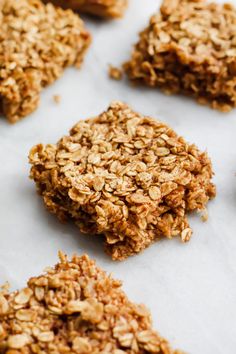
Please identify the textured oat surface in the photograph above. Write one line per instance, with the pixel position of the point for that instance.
(37, 42)
(189, 47)
(182, 284)
(104, 8)
(75, 308)
(125, 176)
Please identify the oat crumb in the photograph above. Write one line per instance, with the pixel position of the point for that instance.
(204, 216)
(57, 99)
(115, 73)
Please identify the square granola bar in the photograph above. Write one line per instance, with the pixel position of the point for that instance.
(104, 8)
(37, 42)
(76, 308)
(125, 176)
(189, 47)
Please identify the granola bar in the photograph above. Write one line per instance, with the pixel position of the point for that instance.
(76, 308)
(37, 42)
(124, 176)
(104, 8)
(189, 47)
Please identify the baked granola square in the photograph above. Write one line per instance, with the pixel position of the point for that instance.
(103, 8)
(189, 47)
(37, 42)
(76, 308)
(125, 176)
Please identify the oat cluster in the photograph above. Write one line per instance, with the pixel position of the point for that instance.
(104, 8)
(76, 308)
(37, 42)
(189, 47)
(124, 176)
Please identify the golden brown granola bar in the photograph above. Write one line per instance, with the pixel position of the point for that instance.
(37, 42)
(76, 308)
(104, 8)
(189, 47)
(125, 176)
